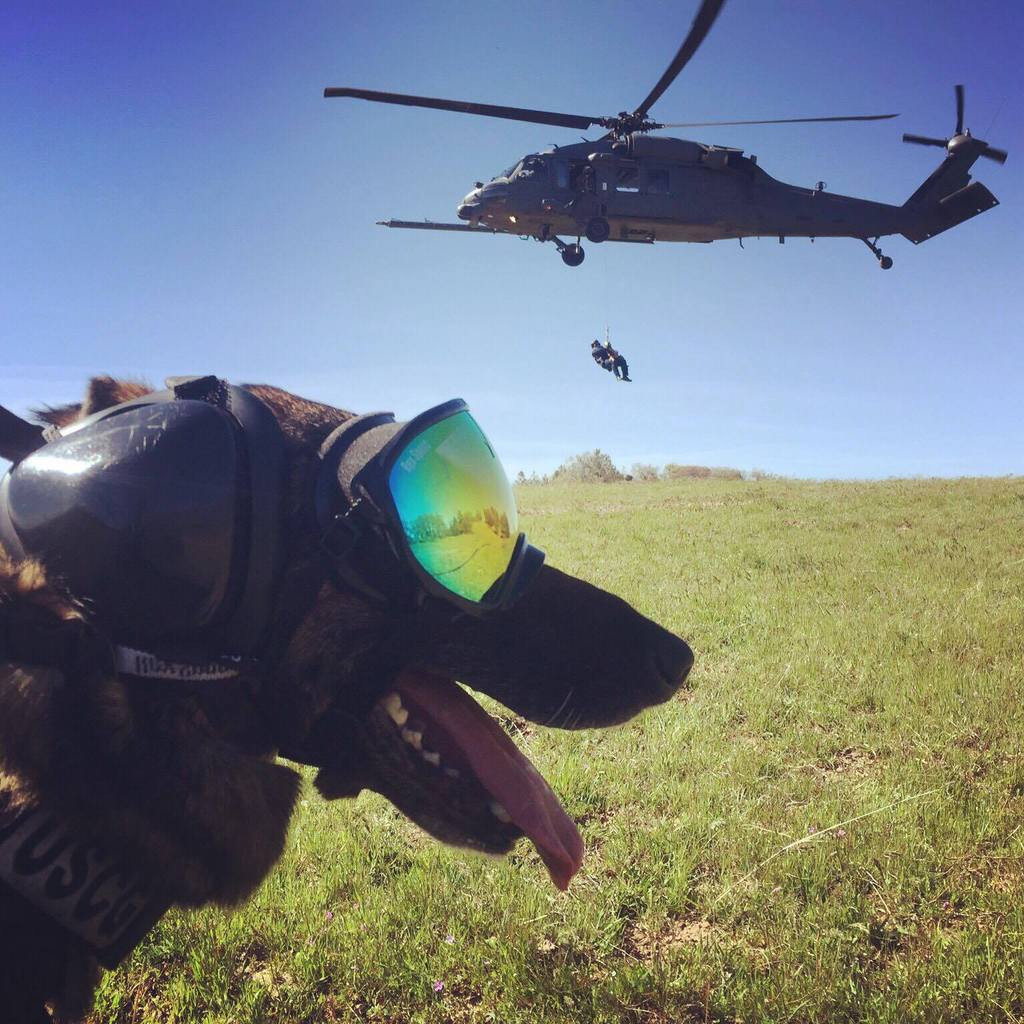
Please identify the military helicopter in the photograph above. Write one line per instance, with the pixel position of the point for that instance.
(631, 186)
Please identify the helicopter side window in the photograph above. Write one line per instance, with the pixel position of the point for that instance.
(627, 178)
(561, 168)
(657, 181)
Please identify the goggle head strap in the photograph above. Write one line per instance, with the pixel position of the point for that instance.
(18, 437)
(352, 529)
(345, 452)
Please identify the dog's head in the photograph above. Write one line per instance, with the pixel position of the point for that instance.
(385, 712)
(369, 693)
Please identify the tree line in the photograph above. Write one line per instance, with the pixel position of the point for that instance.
(432, 526)
(597, 467)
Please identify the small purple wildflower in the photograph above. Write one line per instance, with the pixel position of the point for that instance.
(840, 833)
(450, 939)
(438, 986)
(329, 916)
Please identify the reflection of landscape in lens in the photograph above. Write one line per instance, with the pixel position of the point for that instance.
(456, 506)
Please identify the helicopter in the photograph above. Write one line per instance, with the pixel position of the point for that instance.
(632, 186)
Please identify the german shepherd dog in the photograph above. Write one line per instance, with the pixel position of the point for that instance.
(120, 797)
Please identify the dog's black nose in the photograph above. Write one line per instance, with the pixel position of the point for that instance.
(673, 660)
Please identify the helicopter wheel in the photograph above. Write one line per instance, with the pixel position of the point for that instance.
(598, 230)
(885, 262)
(572, 255)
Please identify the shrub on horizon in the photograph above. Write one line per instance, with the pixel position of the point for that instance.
(588, 467)
(673, 471)
(533, 478)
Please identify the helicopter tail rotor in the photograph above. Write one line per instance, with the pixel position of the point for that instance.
(924, 140)
(948, 197)
(961, 141)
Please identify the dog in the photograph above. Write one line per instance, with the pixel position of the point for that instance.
(121, 797)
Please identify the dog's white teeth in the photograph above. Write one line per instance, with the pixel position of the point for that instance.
(432, 757)
(392, 704)
(452, 773)
(499, 812)
(414, 739)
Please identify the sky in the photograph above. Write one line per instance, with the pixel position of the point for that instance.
(177, 197)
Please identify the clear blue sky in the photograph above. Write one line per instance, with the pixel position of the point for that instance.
(176, 196)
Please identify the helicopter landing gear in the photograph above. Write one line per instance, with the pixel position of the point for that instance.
(598, 230)
(885, 262)
(572, 255)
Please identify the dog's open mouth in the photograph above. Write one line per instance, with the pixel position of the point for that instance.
(465, 781)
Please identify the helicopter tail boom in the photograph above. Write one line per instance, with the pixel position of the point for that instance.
(948, 197)
(931, 220)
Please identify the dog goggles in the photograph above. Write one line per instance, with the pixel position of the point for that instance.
(433, 491)
(162, 514)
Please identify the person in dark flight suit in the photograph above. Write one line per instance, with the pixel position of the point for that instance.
(618, 363)
(601, 357)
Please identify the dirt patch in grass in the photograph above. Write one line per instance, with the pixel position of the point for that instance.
(1008, 876)
(850, 761)
(1001, 873)
(646, 943)
(515, 725)
(271, 981)
(597, 815)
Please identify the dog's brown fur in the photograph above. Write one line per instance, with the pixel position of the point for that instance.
(183, 783)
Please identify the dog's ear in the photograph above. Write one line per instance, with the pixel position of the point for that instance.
(58, 415)
(102, 393)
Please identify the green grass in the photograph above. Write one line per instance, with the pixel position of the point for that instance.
(829, 827)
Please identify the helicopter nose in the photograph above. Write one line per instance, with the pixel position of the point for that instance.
(469, 208)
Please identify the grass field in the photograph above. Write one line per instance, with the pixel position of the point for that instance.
(828, 827)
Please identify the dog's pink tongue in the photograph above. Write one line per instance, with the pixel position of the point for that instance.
(502, 770)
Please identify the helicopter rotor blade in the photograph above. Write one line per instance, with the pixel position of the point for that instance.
(959, 110)
(464, 107)
(999, 155)
(923, 140)
(783, 120)
(701, 26)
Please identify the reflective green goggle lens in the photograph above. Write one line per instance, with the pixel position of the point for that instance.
(456, 506)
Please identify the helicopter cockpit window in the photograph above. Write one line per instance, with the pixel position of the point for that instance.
(657, 181)
(627, 178)
(507, 173)
(532, 167)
